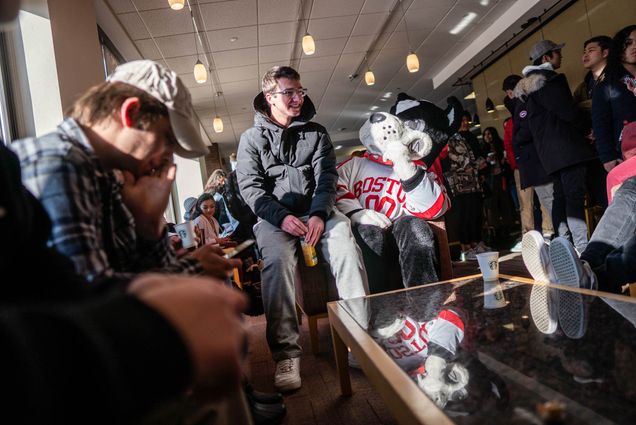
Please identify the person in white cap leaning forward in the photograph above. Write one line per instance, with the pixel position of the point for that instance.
(104, 175)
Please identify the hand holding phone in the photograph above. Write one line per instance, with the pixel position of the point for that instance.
(238, 249)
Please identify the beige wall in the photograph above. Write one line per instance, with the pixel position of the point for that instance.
(581, 21)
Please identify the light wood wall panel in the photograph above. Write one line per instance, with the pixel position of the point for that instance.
(581, 21)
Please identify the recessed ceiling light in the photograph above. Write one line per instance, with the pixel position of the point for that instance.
(342, 128)
(383, 99)
(374, 107)
(337, 147)
(233, 39)
(463, 23)
(387, 94)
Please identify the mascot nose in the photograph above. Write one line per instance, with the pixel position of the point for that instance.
(376, 117)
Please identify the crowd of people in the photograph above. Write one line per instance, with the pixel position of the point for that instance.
(133, 319)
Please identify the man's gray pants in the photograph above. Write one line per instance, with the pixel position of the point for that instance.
(280, 254)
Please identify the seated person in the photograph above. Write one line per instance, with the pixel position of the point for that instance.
(388, 194)
(208, 227)
(216, 187)
(104, 175)
(287, 175)
(608, 262)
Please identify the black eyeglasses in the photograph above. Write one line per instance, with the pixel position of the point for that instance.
(291, 92)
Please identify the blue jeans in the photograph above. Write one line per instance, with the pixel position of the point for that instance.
(611, 251)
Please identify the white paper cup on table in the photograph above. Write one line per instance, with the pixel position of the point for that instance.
(493, 295)
(186, 233)
(489, 265)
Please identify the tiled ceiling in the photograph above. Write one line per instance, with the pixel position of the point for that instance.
(241, 39)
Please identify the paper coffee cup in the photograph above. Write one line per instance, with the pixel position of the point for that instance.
(186, 233)
(493, 295)
(489, 265)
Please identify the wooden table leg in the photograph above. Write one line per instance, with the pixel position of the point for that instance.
(342, 362)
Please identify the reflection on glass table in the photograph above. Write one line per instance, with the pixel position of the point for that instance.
(510, 352)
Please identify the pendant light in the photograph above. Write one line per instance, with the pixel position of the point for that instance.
(412, 62)
(176, 4)
(490, 105)
(217, 123)
(369, 78)
(309, 45)
(200, 71)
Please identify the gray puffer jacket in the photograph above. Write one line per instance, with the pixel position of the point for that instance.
(284, 171)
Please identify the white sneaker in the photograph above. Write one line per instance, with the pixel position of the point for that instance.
(571, 271)
(543, 303)
(353, 363)
(534, 252)
(516, 247)
(482, 247)
(287, 376)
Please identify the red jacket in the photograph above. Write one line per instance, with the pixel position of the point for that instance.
(507, 141)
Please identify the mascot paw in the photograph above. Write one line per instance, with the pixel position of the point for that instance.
(399, 155)
(372, 218)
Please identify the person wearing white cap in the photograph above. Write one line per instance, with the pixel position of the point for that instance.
(104, 175)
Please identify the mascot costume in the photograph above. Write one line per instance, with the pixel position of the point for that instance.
(389, 193)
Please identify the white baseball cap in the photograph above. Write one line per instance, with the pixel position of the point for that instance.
(166, 86)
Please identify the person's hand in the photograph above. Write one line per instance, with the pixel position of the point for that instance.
(225, 242)
(611, 164)
(315, 227)
(372, 218)
(213, 262)
(206, 315)
(399, 155)
(294, 226)
(147, 198)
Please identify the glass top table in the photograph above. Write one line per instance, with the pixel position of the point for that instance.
(468, 351)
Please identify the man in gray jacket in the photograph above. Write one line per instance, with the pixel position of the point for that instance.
(287, 174)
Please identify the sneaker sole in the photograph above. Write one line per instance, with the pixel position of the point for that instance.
(535, 256)
(568, 271)
(288, 387)
(542, 308)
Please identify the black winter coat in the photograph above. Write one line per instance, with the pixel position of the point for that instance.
(554, 121)
(531, 171)
(283, 171)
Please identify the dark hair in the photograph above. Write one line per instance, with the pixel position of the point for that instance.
(603, 41)
(510, 82)
(497, 143)
(616, 52)
(466, 114)
(204, 197)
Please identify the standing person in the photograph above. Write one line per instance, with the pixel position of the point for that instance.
(528, 172)
(557, 134)
(614, 104)
(287, 174)
(104, 175)
(463, 180)
(596, 51)
(501, 207)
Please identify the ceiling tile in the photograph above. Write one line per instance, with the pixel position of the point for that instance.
(162, 22)
(276, 33)
(134, 26)
(239, 73)
(369, 24)
(329, 47)
(276, 53)
(318, 64)
(340, 26)
(173, 46)
(221, 39)
(148, 49)
(358, 44)
(270, 11)
(234, 58)
(376, 6)
(329, 8)
(182, 64)
(228, 14)
(123, 6)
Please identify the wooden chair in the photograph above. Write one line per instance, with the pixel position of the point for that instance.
(315, 286)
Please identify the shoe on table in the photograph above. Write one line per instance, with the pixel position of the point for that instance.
(470, 255)
(353, 363)
(482, 247)
(543, 302)
(569, 270)
(516, 247)
(287, 375)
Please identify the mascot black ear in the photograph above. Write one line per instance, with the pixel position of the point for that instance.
(400, 98)
(454, 112)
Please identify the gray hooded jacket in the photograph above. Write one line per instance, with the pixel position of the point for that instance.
(284, 171)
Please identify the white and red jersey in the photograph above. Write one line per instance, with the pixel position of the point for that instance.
(409, 347)
(370, 183)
